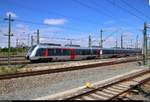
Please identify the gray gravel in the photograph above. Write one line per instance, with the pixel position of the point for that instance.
(38, 86)
(143, 93)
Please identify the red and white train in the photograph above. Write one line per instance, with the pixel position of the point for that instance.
(56, 52)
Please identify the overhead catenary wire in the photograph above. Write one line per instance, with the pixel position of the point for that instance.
(123, 9)
(37, 23)
(110, 35)
(30, 22)
(50, 12)
(99, 6)
(92, 8)
(129, 5)
(100, 12)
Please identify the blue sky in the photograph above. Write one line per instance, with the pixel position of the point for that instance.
(59, 20)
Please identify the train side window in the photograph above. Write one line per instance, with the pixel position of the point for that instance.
(66, 52)
(51, 52)
(121, 51)
(118, 51)
(40, 52)
(94, 52)
(84, 52)
(77, 52)
(80, 51)
(55, 52)
(58, 52)
(88, 52)
(105, 51)
(91, 52)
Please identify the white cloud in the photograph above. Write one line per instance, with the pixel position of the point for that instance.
(13, 15)
(55, 21)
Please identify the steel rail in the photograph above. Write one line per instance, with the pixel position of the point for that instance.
(110, 85)
(58, 70)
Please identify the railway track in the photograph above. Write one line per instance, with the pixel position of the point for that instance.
(140, 92)
(65, 69)
(114, 90)
(21, 60)
(14, 60)
(13, 56)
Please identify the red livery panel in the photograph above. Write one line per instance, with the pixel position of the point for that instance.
(46, 53)
(72, 54)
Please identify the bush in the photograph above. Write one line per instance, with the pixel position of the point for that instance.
(13, 51)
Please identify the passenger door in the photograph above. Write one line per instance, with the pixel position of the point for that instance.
(72, 54)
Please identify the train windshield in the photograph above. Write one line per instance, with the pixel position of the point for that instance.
(32, 48)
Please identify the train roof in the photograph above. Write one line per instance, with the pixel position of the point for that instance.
(53, 46)
(75, 47)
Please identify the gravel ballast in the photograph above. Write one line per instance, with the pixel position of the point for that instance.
(38, 86)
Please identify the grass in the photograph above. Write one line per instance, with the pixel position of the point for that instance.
(9, 70)
(14, 69)
(11, 53)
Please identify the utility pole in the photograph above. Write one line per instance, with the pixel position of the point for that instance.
(101, 39)
(121, 40)
(9, 19)
(145, 59)
(116, 42)
(70, 41)
(131, 43)
(136, 44)
(148, 48)
(90, 41)
(17, 41)
(17, 45)
(28, 40)
(32, 40)
(38, 36)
